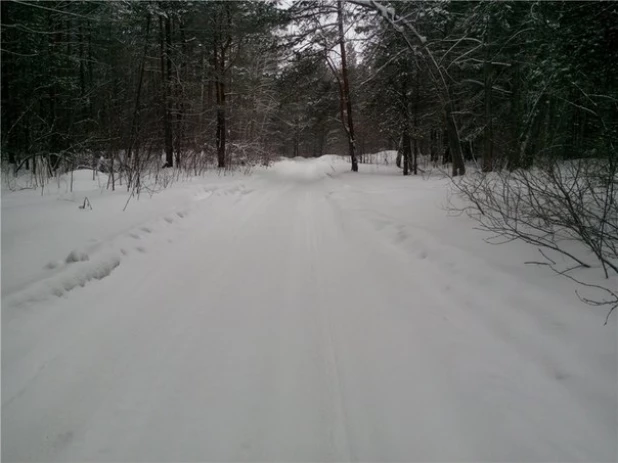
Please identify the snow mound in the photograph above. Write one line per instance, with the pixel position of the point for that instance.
(76, 256)
(78, 274)
(308, 170)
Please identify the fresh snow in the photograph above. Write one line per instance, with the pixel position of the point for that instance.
(303, 313)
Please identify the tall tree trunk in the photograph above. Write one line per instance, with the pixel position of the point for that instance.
(82, 57)
(138, 93)
(90, 71)
(169, 135)
(346, 89)
(111, 178)
(433, 146)
(296, 150)
(166, 78)
(488, 155)
(202, 99)
(296, 147)
(515, 118)
(180, 97)
(407, 151)
(7, 76)
(220, 49)
(454, 145)
(529, 145)
(220, 95)
(415, 120)
(54, 39)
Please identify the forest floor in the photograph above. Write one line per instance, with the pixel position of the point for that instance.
(301, 313)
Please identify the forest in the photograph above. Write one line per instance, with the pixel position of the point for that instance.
(501, 84)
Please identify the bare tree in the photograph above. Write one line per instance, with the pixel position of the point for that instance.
(345, 93)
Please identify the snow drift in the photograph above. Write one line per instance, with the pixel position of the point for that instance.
(308, 169)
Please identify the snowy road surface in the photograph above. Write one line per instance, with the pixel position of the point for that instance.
(300, 314)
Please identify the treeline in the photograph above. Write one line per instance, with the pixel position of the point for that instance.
(193, 84)
(130, 80)
(521, 80)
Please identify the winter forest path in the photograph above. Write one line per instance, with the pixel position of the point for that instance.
(280, 325)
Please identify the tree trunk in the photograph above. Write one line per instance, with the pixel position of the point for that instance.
(220, 91)
(169, 145)
(53, 40)
(140, 80)
(531, 140)
(415, 120)
(433, 146)
(454, 146)
(488, 155)
(202, 100)
(346, 89)
(90, 71)
(515, 118)
(7, 75)
(82, 57)
(220, 49)
(180, 109)
(111, 172)
(407, 152)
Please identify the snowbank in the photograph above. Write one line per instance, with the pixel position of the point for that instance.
(50, 245)
(308, 169)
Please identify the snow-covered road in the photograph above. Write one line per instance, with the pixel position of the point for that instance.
(306, 315)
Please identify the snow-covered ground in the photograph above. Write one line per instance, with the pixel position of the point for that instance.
(303, 313)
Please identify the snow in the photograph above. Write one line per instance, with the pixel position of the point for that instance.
(308, 170)
(303, 313)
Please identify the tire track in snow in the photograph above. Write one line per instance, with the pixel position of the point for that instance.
(334, 373)
(278, 329)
